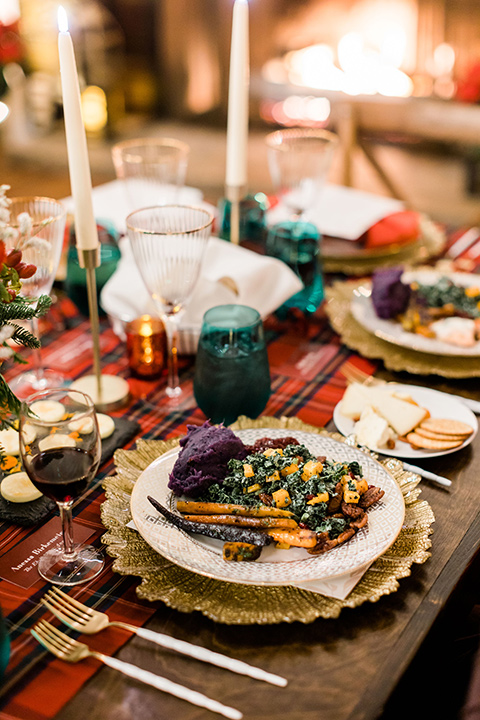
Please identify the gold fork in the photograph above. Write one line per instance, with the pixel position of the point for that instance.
(85, 620)
(72, 651)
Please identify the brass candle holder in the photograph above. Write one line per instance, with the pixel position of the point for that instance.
(108, 392)
(235, 193)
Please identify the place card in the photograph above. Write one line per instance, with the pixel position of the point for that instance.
(19, 565)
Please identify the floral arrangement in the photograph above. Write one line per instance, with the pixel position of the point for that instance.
(11, 49)
(13, 306)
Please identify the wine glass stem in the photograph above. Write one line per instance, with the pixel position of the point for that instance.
(69, 551)
(171, 330)
(37, 353)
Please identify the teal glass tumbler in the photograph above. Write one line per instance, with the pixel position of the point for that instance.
(232, 374)
(298, 244)
(4, 646)
(253, 221)
(76, 278)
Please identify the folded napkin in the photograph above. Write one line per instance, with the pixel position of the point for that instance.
(110, 201)
(338, 587)
(229, 274)
(343, 212)
(400, 228)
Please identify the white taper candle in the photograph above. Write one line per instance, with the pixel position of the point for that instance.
(79, 167)
(239, 80)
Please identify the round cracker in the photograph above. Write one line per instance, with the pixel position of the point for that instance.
(439, 436)
(446, 426)
(424, 443)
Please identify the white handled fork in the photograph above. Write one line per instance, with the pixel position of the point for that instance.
(85, 620)
(72, 651)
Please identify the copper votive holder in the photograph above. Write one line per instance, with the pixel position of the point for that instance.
(146, 347)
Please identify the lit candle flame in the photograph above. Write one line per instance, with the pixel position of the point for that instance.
(62, 19)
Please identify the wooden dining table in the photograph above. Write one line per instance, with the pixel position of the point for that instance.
(362, 665)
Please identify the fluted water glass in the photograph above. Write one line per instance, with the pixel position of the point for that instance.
(168, 244)
(37, 226)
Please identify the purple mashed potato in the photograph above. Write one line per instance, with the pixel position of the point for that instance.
(389, 295)
(203, 459)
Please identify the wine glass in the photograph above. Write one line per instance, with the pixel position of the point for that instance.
(168, 244)
(232, 375)
(37, 226)
(153, 170)
(61, 456)
(299, 161)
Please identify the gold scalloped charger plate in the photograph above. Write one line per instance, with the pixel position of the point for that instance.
(275, 567)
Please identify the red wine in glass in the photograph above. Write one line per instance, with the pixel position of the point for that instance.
(62, 474)
(61, 462)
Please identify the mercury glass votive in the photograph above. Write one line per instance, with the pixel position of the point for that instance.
(146, 347)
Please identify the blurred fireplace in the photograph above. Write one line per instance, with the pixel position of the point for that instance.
(426, 43)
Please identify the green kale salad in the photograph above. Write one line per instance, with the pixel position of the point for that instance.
(292, 478)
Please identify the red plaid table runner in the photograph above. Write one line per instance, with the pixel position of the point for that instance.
(306, 358)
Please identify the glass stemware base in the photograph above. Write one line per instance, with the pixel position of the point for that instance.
(61, 569)
(297, 243)
(33, 381)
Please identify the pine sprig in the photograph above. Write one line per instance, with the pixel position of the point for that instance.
(9, 404)
(24, 337)
(24, 309)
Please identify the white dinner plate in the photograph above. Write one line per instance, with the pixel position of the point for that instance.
(439, 404)
(364, 313)
(274, 567)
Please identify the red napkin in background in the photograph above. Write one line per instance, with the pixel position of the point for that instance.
(399, 228)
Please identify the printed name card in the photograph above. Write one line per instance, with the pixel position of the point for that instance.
(19, 565)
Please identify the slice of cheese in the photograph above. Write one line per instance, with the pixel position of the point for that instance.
(106, 425)
(48, 410)
(355, 400)
(372, 430)
(81, 424)
(18, 488)
(56, 440)
(10, 439)
(400, 414)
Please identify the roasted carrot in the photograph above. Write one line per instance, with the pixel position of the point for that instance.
(203, 508)
(229, 533)
(298, 537)
(242, 521)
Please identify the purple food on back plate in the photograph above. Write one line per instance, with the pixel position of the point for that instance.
(203, 459)
(389, 295)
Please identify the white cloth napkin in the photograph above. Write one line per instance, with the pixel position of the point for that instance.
(110, 202)
(343, 212)
(230, 274)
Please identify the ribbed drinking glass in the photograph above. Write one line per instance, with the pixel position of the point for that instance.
(168, 244)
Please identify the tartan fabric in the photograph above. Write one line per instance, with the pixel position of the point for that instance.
(306, 359)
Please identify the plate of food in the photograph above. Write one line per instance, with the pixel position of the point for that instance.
(267, 507)
(405, 421)
(422, 310)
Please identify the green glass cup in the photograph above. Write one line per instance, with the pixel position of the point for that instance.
(232, 374)
(76, 277)
(4, 646)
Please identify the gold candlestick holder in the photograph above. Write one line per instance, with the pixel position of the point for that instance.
(108, 392)
(235, 193)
